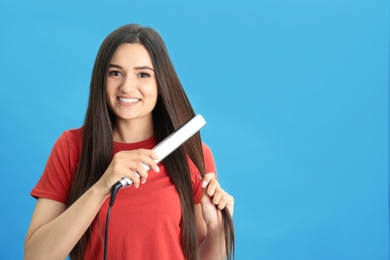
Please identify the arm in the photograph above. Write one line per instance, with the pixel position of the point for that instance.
(208, 217)
(55, 230)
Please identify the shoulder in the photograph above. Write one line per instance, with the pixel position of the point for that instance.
(207, 153)
(71, 138)
(60, 168)
(208, 159)
(73, 135)
(68, 145)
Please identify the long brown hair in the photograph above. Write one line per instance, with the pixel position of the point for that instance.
(172, 110)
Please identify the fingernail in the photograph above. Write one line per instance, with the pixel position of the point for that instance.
(204, 184)
(157, 169)
(143, 181)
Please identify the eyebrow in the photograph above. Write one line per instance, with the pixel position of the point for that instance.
(144, 68)
(136, 68)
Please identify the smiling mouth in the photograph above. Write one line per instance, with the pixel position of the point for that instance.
(128, 100)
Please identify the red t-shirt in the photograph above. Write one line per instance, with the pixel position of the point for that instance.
(144, 222)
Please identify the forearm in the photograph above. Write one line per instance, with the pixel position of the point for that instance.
(57, 238)
(213, 246)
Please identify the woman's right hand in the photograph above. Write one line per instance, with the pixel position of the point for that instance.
(128, 164)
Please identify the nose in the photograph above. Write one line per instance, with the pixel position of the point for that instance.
(128, 85)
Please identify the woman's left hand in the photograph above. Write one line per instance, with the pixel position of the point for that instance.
(214, 199)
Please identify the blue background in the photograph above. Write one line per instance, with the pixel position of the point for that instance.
(295, 94)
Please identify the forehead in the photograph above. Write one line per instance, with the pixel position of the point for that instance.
(131, 54)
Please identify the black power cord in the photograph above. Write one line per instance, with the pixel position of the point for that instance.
(114, 190)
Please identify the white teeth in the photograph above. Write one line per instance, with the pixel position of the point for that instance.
(129, 100)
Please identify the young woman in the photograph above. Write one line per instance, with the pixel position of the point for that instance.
(177, 210)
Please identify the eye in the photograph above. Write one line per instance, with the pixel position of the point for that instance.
(143, 75)
(115, 73)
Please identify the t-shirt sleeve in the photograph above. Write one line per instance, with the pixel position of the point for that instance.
(57, 176)
(195, 174)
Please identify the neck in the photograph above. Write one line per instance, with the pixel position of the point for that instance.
(131, 131)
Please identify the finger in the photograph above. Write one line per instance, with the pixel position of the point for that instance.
(211, 188)
(230, 204)
(224, 201)
(147, 157)
(207, 178)
(150, 159)
(134, 177)
(151, 153)
(119, 170)
(138, 164)
(138, 169)
(149, 162)
(218, 194)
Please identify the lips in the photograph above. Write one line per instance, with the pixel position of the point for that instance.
(128, 100)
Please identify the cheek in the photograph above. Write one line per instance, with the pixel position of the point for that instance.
(106, 94)
(152, 94)
(109, 96)
(150, 90)
(109, 90)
